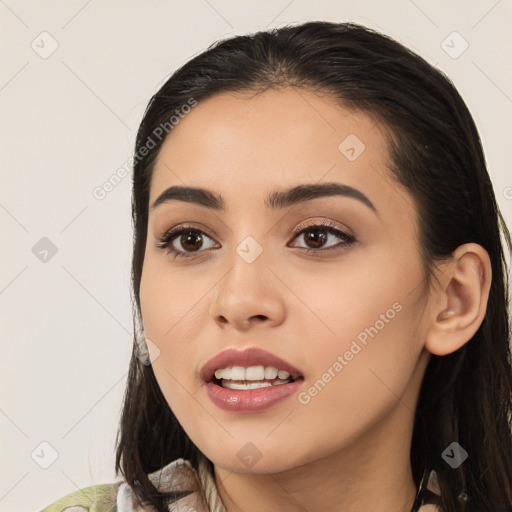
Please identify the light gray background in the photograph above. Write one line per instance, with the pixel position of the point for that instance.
(68, 122)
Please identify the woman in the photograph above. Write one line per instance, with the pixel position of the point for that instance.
(319, 288)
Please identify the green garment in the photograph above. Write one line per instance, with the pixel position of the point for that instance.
(97, 498)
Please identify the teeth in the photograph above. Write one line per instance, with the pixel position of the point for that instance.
(225, 373)
(255, 373)
(251, 373)
(237, 373)
(271, 373)
(252, 385)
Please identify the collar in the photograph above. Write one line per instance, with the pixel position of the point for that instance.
(180, 476)
(430, 496)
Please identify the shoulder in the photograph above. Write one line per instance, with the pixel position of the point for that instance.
(97, 498)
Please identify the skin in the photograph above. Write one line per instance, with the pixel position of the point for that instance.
(305, 308)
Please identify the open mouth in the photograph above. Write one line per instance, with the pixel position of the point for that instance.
(252, 377)
(249, 381)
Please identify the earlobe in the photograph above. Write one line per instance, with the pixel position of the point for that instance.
(461, 300)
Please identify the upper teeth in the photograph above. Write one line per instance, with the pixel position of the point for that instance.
(251, 373)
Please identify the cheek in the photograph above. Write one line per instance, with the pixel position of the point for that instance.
(174, 311)
(361, 339)
(353, 300)
(171, 301)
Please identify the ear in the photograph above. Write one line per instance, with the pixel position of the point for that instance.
(460, 299)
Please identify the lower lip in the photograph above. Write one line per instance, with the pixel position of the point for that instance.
(250, 400)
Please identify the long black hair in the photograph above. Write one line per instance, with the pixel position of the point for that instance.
(435, 152)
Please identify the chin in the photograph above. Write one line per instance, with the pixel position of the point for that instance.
(251, 460)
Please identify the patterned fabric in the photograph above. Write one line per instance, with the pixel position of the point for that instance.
(178, 476)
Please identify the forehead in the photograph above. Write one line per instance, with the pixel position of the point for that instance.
(251, 143)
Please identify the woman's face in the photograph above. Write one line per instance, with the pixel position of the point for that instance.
(344, 308)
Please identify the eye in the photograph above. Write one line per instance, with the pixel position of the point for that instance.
(318, 234)
(190, 239)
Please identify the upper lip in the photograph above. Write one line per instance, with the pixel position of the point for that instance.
(247, 357)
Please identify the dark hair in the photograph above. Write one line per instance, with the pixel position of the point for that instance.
(435, 153)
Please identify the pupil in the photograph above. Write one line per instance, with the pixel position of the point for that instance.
(317, 237)
(192, 238)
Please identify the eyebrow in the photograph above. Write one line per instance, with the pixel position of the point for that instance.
(275, 200)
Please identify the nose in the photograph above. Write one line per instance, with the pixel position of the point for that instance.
(248, 296)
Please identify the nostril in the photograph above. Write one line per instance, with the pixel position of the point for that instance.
(259, 317)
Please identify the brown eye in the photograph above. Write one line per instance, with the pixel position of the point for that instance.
(190, 241)
(183, 241)
(316, 236)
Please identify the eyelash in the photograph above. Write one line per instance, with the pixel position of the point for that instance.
(165, 241)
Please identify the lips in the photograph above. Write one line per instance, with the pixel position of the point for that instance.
(246, 358)
(249, 400)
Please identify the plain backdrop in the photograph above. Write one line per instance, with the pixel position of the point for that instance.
(75, 78)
